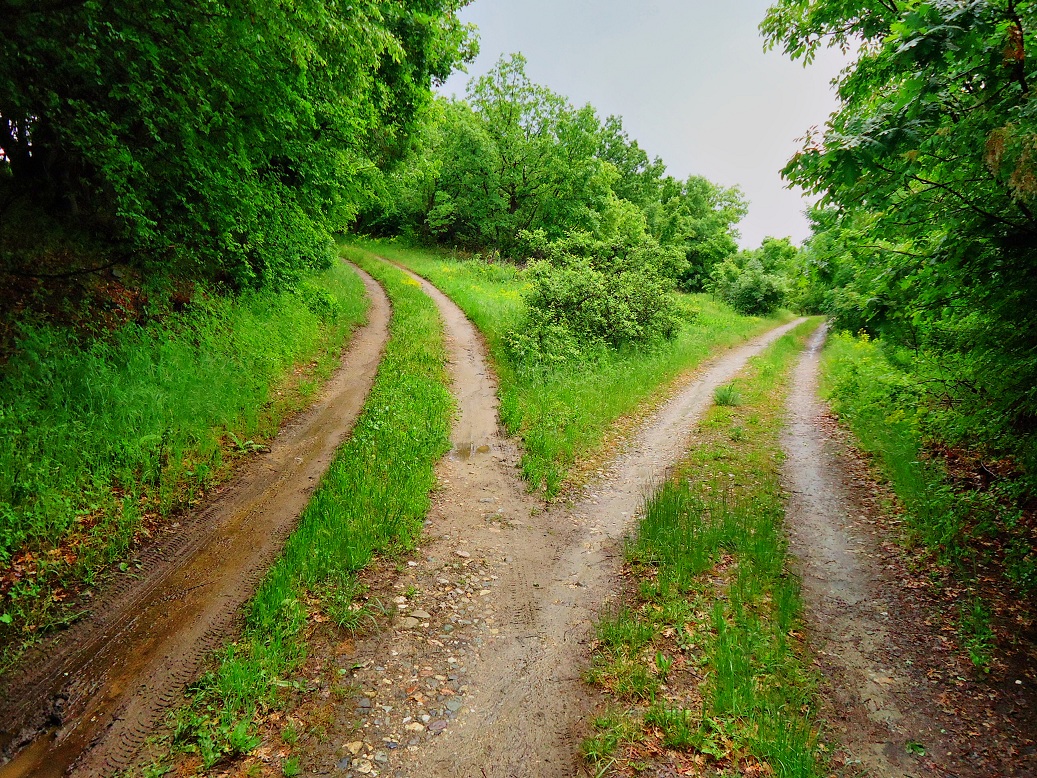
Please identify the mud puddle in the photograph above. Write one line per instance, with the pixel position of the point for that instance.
(899, 699)
(84, 700)
(479, 674)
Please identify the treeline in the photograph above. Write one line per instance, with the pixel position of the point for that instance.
(926, 235)
(223, 140)
(515, 167)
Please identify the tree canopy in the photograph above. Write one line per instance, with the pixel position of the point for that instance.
(927, 225)
(229, 137)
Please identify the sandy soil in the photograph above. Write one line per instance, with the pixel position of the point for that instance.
(479, 674)
(84, 700)
(897, 696)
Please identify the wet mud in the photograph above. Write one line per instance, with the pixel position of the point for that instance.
(83, 701)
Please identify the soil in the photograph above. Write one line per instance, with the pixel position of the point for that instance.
(898, 696)
(84, 699)
(479, 672)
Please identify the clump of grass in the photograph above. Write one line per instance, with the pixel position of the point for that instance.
(715, 593)
(100, 439)
(727, 395)
(563, 412)
(372, 500)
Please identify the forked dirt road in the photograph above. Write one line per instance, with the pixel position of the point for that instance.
(898, 699)
(84, 699)
(480, 674)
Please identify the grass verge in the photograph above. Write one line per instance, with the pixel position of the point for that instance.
(372, 500)
(564, 413)
(701, 662)
(967, 509)
(101, 442)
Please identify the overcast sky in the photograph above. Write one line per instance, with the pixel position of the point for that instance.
(690, 79)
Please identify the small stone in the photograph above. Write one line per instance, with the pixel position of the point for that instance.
(354, 747)
(437, 726)
(381, 757)
(363, 702)
(343, 763)
(486, 499)
(409, 622)
(454, 705)
(463, 554)
(415, 726)
(420, 614)
(364, 767)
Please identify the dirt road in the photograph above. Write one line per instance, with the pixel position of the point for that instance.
(480, 675)
(899, 700)
(84, 699)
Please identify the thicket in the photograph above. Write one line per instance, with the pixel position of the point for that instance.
(926, 234)
(218, 139)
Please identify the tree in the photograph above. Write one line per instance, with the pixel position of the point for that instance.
(231, 138)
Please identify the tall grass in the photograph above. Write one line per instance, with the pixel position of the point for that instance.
(96, 438)
(716, 602)
(373, 499)
(563, 413)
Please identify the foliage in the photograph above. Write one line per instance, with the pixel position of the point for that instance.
(963, 522)
(716, 612)
(565, 410)
(928, 170)
(757, 282)
(230, 139)
(144, 420)
(516, 159)
(373, 499)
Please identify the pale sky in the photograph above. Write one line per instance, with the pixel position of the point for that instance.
(689, 78)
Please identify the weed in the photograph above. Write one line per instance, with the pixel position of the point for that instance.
(291, 767)
(727, 395)
(976, 633)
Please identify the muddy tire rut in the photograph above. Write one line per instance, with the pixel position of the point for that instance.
(84, 699)
(899, 700)
(479, 673)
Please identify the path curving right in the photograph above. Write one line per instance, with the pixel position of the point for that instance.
(892, 690)
(85, 699)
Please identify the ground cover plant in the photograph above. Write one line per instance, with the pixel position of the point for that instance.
(966, 507)
(701, 660)
(372, 500)
(564, 409)
(103, 440)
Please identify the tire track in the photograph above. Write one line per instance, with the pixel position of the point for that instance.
(85, 700)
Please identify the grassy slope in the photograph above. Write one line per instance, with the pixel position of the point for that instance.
(702, 662)
(372, 500)
(100, 443)
(563, 414)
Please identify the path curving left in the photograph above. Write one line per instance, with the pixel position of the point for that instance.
(84, 700)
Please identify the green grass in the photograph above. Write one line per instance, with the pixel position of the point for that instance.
(372, 500)
(101, 441)
(705, 656)
(973, 532)
(564, 413)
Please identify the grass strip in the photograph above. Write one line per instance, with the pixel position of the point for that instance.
(373, 500)
(564, 413)
(701, 660)
(101, 442)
